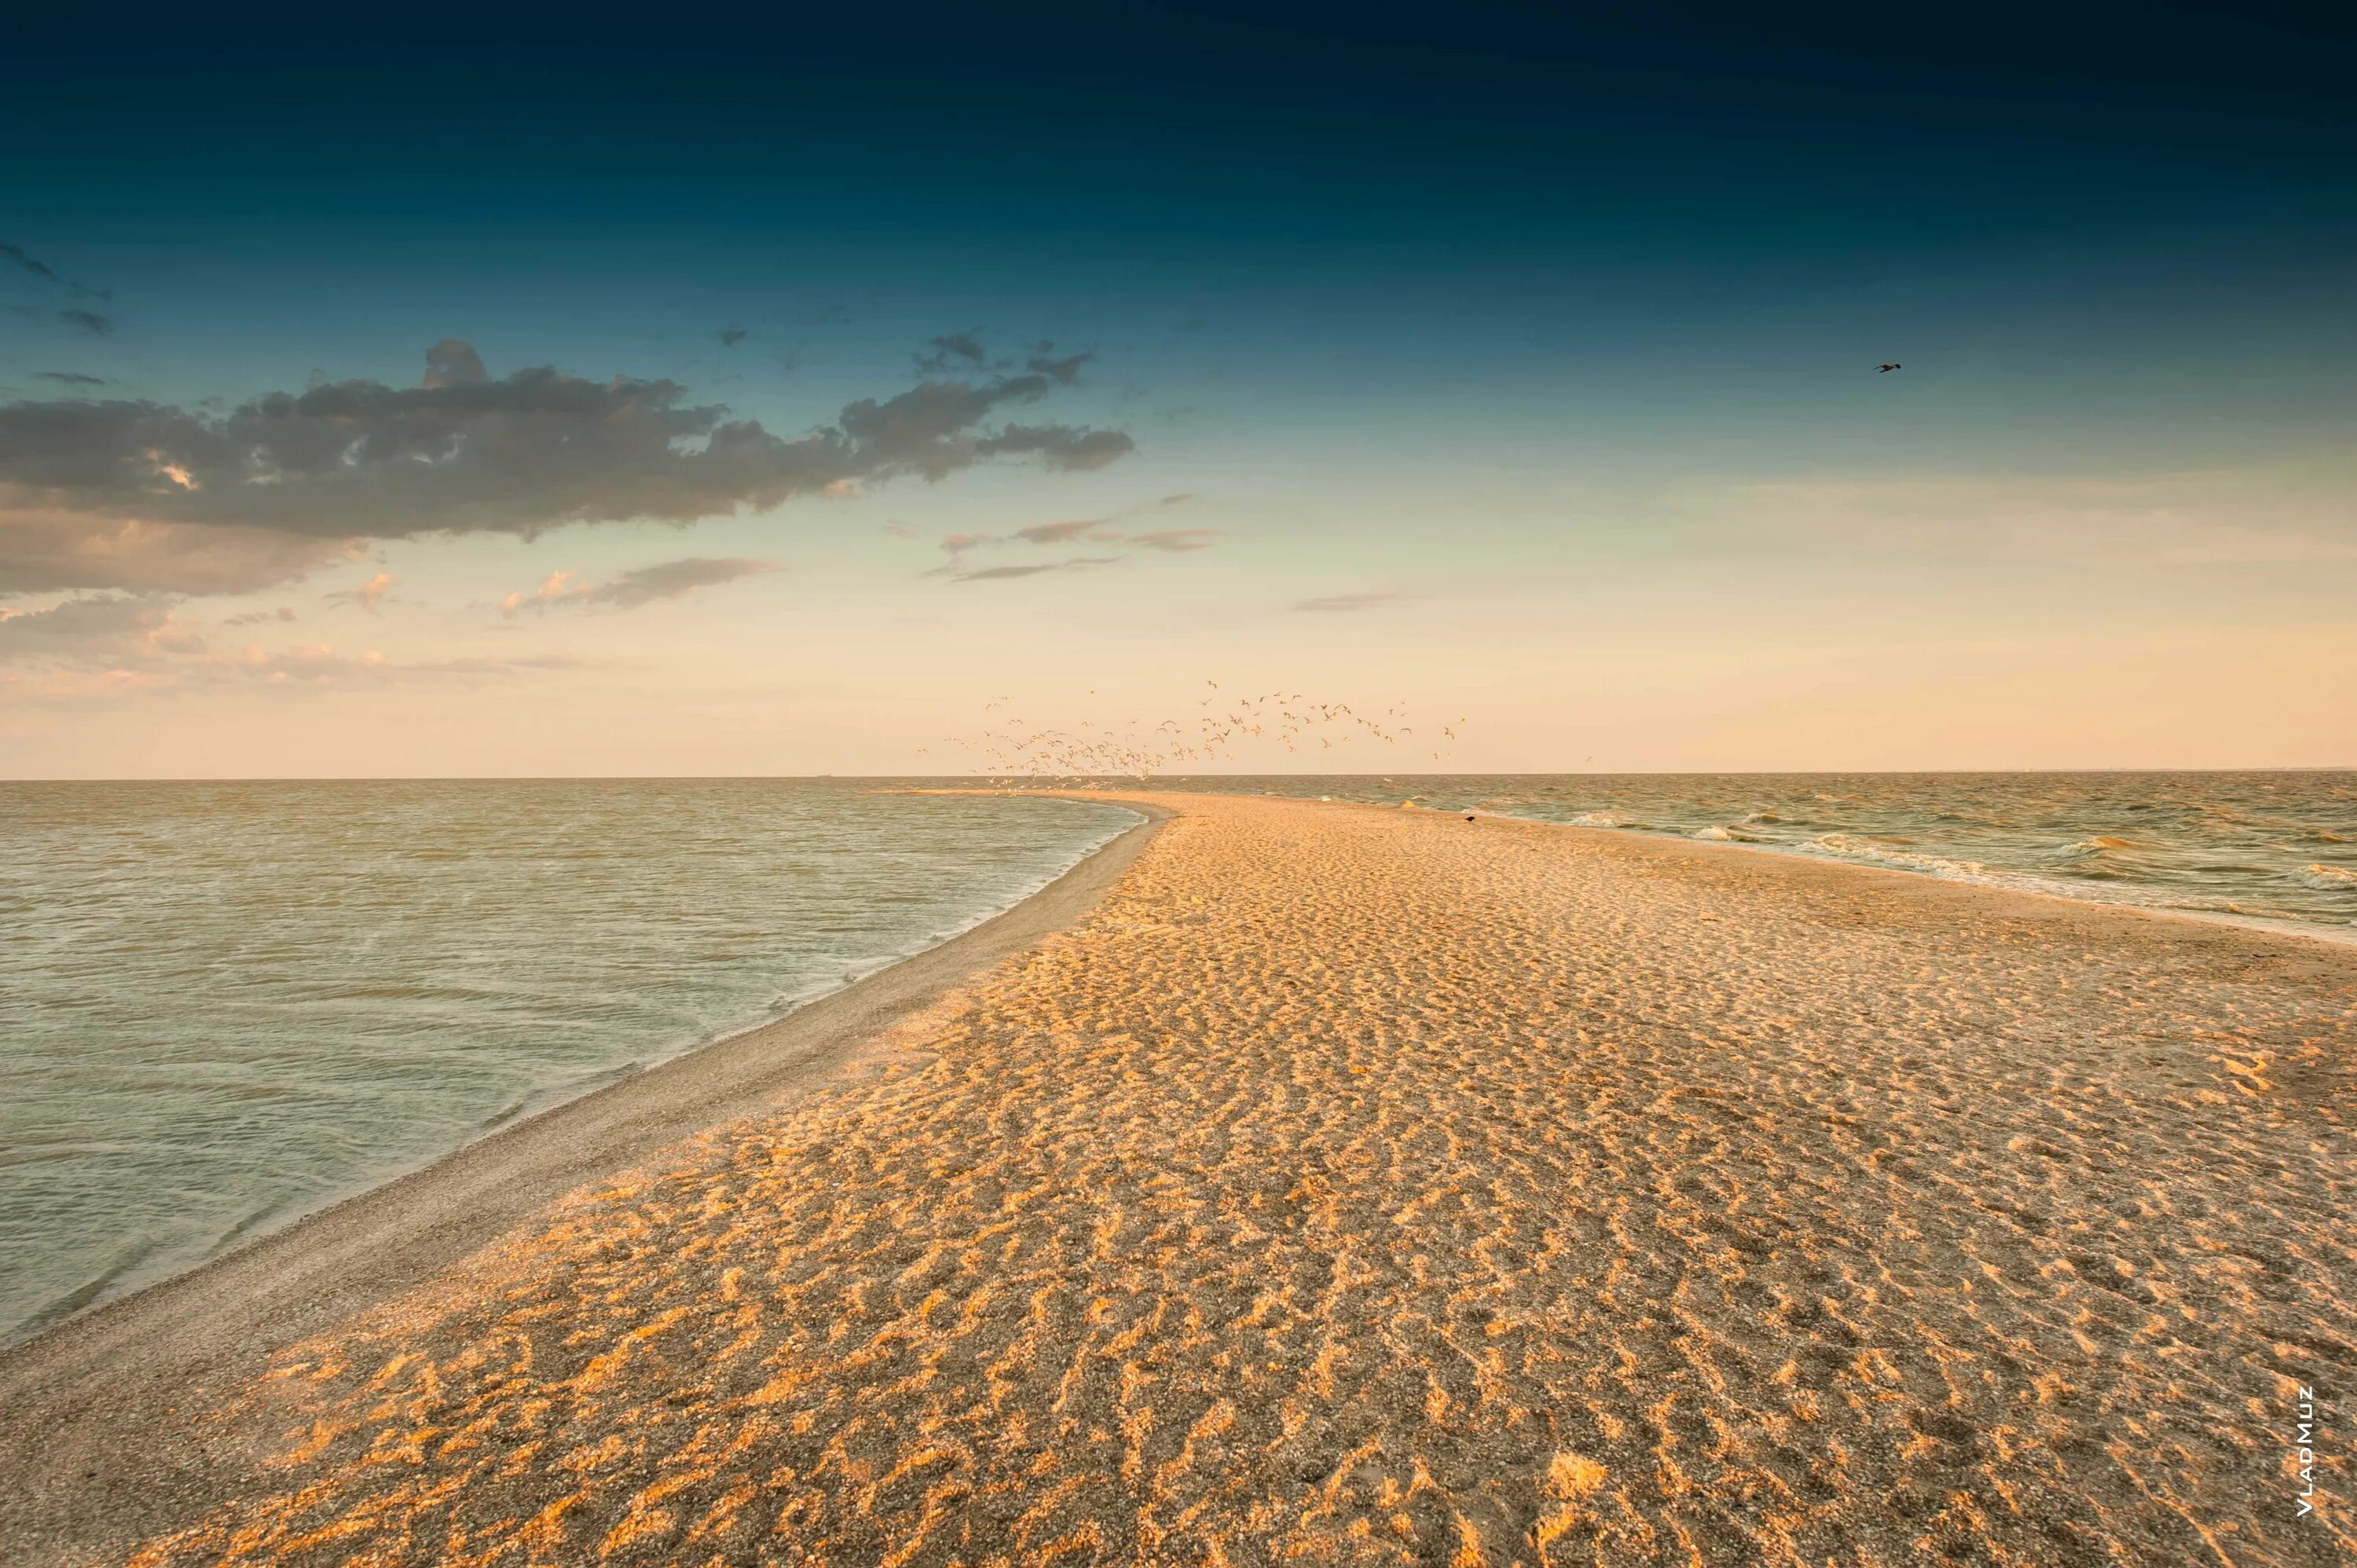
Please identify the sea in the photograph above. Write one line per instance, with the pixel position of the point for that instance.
(2271, 849)
(223, 1006)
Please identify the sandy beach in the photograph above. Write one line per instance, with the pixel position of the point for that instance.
(1332, 1184)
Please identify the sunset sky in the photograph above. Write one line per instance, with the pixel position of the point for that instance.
(443, 396)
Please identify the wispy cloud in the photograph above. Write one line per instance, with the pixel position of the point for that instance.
(993, 574)
(1346, 603)
(70, 378)
(1095, 531)
(1178, 541)
(88, 322)
(16, 255)
(632, 589)
(1063, 532)
(732, 336)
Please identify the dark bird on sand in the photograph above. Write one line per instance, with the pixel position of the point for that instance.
(1884, 370)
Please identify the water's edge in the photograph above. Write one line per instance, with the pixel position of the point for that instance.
(2259, 924)
(522, 1116)
(92, 1435)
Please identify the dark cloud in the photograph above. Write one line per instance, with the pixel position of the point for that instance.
(643, 586)
(255, 617)
(44, 551)
(953, 350)
(732, 336)
(89, 321)
(42, 270)
(70, 378)
(452, 362)
(464, 453)
(97, 633)
(1064, 371)
(1060, 446)
(929, 430)
(1342, 603)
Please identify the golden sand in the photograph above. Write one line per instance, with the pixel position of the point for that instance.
(1374, 1186)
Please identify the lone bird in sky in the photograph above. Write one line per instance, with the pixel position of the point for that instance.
(1884, 370)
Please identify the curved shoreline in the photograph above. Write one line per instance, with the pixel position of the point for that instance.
(145, 1272)
(1357, 1177)
(86, 1405)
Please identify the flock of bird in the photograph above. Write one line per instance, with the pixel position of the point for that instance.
(1009, 747)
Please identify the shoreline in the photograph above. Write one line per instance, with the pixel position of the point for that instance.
(2265, 925)
(73, 1391)
(255, 1229)
(1355, 1185)
(2000, 878)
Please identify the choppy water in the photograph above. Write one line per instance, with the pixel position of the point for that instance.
(2276, 847)
(223, 1005)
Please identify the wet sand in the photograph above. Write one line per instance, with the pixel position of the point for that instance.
(1365, 1185)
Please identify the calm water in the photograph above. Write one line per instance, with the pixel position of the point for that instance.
(2276, 847)
(223, 1005)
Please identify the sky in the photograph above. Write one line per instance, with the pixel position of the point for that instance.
(451, 394)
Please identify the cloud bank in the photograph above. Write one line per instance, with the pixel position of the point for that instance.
(125, 494)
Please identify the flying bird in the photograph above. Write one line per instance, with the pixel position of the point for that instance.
(1884, 370)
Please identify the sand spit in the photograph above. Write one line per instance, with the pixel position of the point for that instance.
(1353, 1185)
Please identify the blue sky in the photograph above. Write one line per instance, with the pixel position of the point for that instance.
(1546, 344)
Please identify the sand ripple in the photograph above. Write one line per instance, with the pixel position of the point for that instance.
(1371, 1187)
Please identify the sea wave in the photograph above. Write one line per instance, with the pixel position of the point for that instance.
(2330, 878)
(2100, 843)
(1852, 846)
